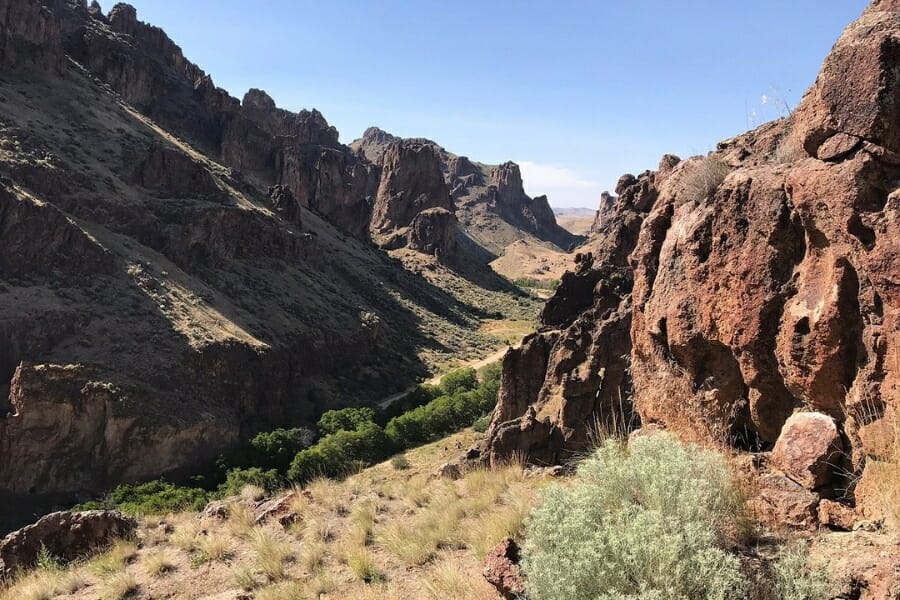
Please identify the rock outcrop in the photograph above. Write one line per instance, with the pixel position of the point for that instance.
(490, 201)
(65, 536)
(762, 281)
(28, 34)
(501, 569)
(413, 204)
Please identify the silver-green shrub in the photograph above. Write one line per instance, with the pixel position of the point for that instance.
(795, 580)
(643, 521)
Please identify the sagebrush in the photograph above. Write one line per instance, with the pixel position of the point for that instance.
(646, 520)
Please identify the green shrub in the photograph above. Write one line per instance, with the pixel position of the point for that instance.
(446, 413)
(236, 479)
(460, 380)
(157, 497)
(346, 419)
(340, 453)
(482, 424)
(421, 395)
(642, 521)
(268, 450)
(795, 580)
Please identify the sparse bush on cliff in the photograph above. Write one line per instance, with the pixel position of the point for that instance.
(705, 177)
(646, 520)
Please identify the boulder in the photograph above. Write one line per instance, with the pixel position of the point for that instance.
(501, 569)
(808, 449)
(836, 515)
(65, 535)
(782, 502)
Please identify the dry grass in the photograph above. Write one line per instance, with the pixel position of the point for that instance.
(185, 536)
(704, 178)
(212, 548)
(787, 151)
(252, 493)
(114, 560)
(448, 580)
(271, 553)
(44, 584)
(158, 563)
(241, 521)
(881, 481)
(381, 534)
(118, 587)
(361, 563)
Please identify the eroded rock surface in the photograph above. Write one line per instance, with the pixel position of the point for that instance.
(65, 535)
(762, 281)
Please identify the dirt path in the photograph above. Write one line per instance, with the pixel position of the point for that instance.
(475, 364)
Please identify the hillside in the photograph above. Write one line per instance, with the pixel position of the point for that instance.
(181, 269)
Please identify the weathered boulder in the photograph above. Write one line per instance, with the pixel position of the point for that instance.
(809, 449)
(501, 569)
(782, 502)
(65, 535)
(836, 515)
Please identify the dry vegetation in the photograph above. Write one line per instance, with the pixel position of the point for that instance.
(383, 533)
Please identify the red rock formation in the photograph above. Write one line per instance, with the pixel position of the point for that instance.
(501, 569)
(764, 276)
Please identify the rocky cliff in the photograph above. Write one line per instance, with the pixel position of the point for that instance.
(490, 200)
(180, 269)
(723, 293)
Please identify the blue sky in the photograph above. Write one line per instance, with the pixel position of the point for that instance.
(577, 92)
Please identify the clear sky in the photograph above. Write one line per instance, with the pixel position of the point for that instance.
(577, 92)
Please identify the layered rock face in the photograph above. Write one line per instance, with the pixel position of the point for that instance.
(411, 185)
(764, 281)
(490, 201)
(28, 33)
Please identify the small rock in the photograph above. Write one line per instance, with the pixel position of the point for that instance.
(450, 470)
(277, 508)
(501, 569)
(836, 515)
(217, 509)
(807, 449)
(784, 502)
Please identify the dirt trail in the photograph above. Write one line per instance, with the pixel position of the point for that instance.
(475, 364)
